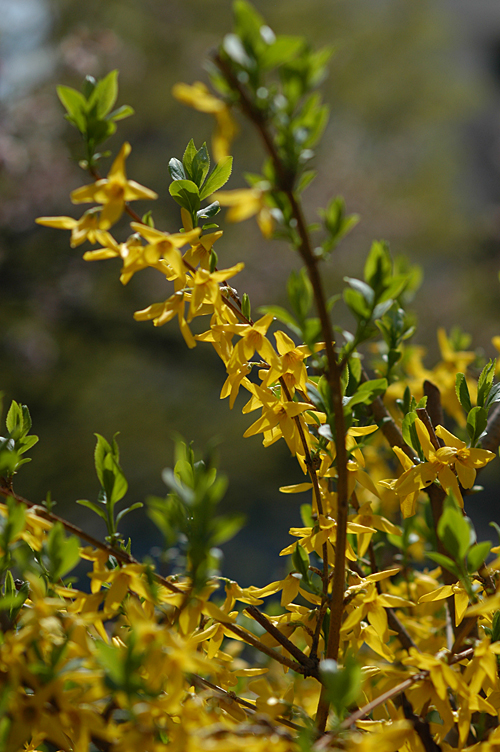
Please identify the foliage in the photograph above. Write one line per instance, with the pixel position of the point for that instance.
(369, 647)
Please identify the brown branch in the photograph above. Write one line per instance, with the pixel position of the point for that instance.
(200, 682)
(492, 439)
(434, 406)
(309, 663)
(270, 652)
(424, 417)
(397, 690)
(420, 725)
(120, 555)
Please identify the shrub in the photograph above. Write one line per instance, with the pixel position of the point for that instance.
(388, 629)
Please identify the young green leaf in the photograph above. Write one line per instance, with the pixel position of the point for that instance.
(476, 556)
(462, 391)
(186, 193)
(176, 169)
(104, 95)
(75, 105)
(200, 166)
(218, 177)
(477, 421)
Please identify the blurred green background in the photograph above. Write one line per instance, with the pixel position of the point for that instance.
(412, 143)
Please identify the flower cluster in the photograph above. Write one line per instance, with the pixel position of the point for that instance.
(366, 650)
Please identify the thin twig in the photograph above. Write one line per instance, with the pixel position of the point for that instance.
(398, 689)
(309, 663)
(199, 681)
(120, 555)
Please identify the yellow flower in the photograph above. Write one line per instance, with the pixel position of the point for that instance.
(439, 466)
(445, 591)
(371, 604)
(277, 417)
(200, 98)
(85, 228)
(217, 335)
(161, 313)
(253, 339)
(206, 287)
(290, 361)
(246, 203)
(113, 191)
(163, 245)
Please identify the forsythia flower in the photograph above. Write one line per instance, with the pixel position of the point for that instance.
(113, 191)
(206, 287)
(85, 228)
(246, 203)
(439, 466)
(161, 313)
(200, 98)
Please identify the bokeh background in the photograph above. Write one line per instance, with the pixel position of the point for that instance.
(413, 143)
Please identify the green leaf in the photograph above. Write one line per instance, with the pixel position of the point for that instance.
(115, 483)
(305, 179)
(357, 304)
(209, 211)
(108, 470)
(336, 222)
(14, 523)
(62, 552)
(75, 105)
(176, 169)
(444, 561)
(282, 315)
(477, 420)
(233, 47)
(496, 527)
(121, 113)
(410, 432)
(454, 532)
(485, 382)
(300, 293)
(120, 515)
(477, 555)
(366, 393)
(300, 561)
(493, 397)
(284, 49)
(248, 21)
(311, 332)
(462, 391)
(226, 528)
(26, 443)
(495, 627)
(218, 177)
(189, 155)
(18, 420)
(361, 287)
(102, 449)
(104, 95)
(200, 166)
(378, 266)
(213, 259)
(306, 515)
(93, 506)
(342, 684)
(186, 193)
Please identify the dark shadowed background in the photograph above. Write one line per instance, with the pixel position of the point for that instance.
(413, 143)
